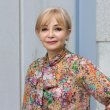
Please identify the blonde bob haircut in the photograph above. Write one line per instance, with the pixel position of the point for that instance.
(60, 14)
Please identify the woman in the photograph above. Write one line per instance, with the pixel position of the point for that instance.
(62, 80)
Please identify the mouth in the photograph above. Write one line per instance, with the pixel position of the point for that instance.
(51, 42)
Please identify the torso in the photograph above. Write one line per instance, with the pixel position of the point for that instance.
(59, 86)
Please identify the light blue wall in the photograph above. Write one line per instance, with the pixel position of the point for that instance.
(86, 32)
(86, 28)
(9, 55)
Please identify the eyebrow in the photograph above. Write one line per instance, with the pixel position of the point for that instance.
(53, 25)
(56, 25)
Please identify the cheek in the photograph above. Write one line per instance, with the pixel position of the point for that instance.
(42, 37)
(62, 37)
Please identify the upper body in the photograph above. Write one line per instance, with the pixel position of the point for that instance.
(65, 83)
(62, 80)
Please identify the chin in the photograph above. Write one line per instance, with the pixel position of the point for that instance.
(53, 49)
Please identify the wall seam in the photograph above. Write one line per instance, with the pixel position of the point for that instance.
(21, 35)
(77, 27)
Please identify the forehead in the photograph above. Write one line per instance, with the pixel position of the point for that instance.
(52, 19)
(52, 22)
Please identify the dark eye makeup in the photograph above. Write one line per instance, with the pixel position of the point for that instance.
(44, 29)
(58, 29)
(55, 28)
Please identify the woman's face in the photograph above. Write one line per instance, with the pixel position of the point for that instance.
(53, 36)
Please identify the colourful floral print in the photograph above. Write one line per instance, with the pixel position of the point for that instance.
(65, 83)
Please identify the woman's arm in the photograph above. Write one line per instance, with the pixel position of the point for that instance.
(31, 99)
(95, 82)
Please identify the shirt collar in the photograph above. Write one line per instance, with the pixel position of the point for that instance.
(58, 57)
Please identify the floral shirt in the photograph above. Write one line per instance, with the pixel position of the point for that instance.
(65, 83)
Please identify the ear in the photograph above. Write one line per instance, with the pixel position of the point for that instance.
(69, 31)
(37, 32)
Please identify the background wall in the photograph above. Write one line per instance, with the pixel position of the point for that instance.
(9, 55)
(103, 37)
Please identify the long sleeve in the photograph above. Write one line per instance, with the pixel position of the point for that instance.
(95, 82)
(32, 99)
(27, 93)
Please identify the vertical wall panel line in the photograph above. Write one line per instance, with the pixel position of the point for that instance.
(21, 52)
(77, 26)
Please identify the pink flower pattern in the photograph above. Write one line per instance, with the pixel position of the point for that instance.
(65, 83)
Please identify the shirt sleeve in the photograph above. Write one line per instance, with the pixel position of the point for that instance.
(95, 82)
(31, 98)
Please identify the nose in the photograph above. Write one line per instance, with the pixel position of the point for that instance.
(51, 34)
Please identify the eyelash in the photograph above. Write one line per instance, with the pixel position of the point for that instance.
(56, 29)
(44, 29)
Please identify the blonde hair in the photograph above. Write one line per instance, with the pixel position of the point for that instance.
(60, 14)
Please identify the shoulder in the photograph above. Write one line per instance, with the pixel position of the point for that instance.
(35, 66)
(77, 61)
(84, 66)
(36, 63)
(72, 58)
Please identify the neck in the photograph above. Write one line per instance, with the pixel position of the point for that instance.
(52, 54)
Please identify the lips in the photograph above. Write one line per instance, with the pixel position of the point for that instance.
(51, 42)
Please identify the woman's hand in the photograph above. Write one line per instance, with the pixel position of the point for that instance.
(107, 107)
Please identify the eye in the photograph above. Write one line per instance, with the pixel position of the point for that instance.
(44, 29)
(58, 29)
